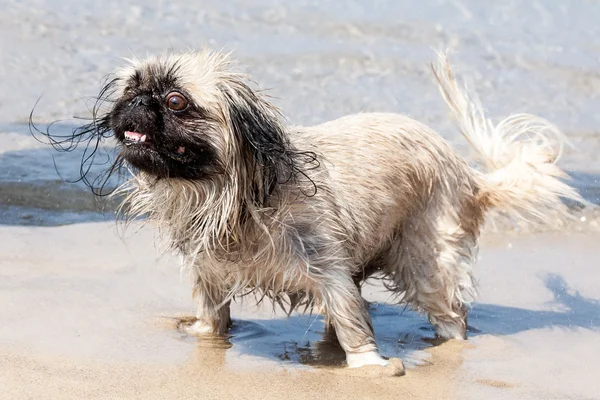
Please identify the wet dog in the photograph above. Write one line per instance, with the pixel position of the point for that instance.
(305, 214)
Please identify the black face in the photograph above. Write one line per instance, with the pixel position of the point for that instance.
(162, 131)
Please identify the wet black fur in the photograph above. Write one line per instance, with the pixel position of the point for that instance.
(90, 135)
(142, 108)
(273, 161)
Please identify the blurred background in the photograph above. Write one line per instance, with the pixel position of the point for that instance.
(319, 59)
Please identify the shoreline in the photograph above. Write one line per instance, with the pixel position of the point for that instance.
(91, 315)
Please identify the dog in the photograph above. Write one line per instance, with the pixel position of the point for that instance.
(304, 215)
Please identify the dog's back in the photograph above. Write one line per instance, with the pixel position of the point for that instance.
(379, 170)
(395, 198)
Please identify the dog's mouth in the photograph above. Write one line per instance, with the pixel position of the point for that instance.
(139, 139)
(135, 138)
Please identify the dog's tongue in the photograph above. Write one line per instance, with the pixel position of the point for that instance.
(133, 135)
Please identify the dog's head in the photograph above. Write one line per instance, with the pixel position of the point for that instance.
(189, 116)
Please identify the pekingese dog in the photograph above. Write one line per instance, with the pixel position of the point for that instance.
(303, 215)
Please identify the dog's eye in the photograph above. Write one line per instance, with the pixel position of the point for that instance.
(176, 101)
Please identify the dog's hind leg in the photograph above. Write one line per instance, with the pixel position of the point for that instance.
(431, 268)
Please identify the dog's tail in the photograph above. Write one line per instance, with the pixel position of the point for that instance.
(519, 155)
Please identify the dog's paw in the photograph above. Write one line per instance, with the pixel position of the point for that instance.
(394, 367)
(357, 360)
(371, 364)
(199, 328)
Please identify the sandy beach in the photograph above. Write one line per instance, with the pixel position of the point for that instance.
(88, 312)
(95, 316)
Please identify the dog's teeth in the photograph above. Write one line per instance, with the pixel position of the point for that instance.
(143, 138)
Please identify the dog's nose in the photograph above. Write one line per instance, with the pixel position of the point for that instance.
(142, 99)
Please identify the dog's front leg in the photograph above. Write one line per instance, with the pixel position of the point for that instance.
(213, 314)
(348, 315)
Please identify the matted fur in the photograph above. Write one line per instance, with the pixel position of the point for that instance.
(307, 213)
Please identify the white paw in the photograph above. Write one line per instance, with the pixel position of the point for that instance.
(371, 364)
(357, 360)
(199, 328)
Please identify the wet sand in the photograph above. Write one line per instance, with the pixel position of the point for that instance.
(92, 314)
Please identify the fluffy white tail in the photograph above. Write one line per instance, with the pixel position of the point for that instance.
(519, 154)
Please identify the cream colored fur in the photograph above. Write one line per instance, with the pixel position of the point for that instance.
(393, 199)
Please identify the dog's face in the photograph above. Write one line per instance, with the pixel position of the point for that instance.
(188, 116)
(168, 117)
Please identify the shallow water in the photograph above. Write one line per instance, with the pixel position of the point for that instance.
(321, 60)
(400, 332)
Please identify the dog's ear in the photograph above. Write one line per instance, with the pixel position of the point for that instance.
(256, 126)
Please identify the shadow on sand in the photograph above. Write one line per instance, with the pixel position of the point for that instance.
(402, 333)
